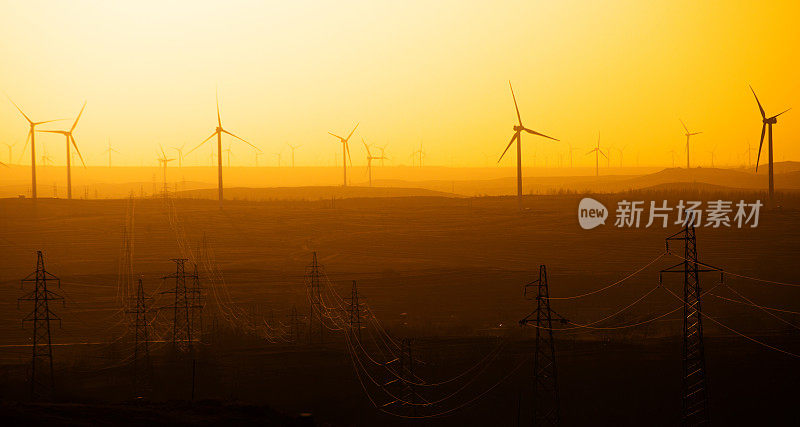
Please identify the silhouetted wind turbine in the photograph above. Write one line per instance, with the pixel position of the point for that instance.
(180, 154)
(257, 154)
(370, 158)
(293, 147)
(517, 136)
(110, 150)
(421, 154)
(228, 152)
(570, 153)
(621, 154)
(32, 137)
(10, 146)
(218, 133)
(673, 157)
(712, 152)
(70, 139)
(163, 160)
(767, 121)
(597, 152)
(383, 152)
(278, 155)
(345, 152)
(688, 135)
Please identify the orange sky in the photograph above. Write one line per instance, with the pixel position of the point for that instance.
(289, 72)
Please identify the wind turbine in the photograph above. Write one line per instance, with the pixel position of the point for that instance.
(345, 152)
(370, 158)
(383, 152)
(9, 150)
(420, 153)
(570, 153)
(621, 154)
(293, 147)
(218, 133)
(673, 157)
(767, 121)
(70, 139)
(180, 154)
(257, 154)
(688, 135)
(32, 137)
(163, 160)
(597, 152)
(228, 152)
(518, 137)
(278, 155)
(712, 152)
(110, 150)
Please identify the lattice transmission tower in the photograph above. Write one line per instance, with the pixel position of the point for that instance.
(694, 387)
(316, 319)
(355, 311)
(141, 348)
(183, 306)
(41, 378)
(545, 406)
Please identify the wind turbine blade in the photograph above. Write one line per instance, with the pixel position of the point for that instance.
(48, 121)
(351, 132)
(515, 136)
(77, 118)
(20, 110)
(763, 114)
(533, 132)
(219, 119)
(204, 141)
(24, 147)
(1, 163)
(684, 126)
(240, 139)
(53, 131)
(590, 151)
(601, 152)
(515, 102)
(74, 144)
(367, 147)
(696, 133)
(763, 129)
(336, 135)
(781, 113)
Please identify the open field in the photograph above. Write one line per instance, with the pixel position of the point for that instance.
(446, 271)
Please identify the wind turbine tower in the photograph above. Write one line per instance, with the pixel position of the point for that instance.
(218, 133)
(518, 138)
(345, 152)
(767, 122)
(71, 139)
(32, 137)
(688, 135)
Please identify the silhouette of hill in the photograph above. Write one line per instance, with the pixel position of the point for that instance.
(312, 193)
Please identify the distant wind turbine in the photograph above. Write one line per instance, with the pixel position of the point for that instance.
(345, 152)
(570, 154)
(70, 140)
(32, 137)
(163, 160)
(420, 153)
(278, 155)
(597, 152)
(10, 146)
(712, 152)
(621, 152)
(180, 154)
(110, 150)
(383, 152)
(370, 158)
(228, 151)
(218, 133)
(518, 137)
(688, 135)
(293, 147)
(767, 121)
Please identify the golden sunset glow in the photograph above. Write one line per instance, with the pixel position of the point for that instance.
(437, 72)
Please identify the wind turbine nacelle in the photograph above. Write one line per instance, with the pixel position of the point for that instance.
(518, 128)
(771, 120)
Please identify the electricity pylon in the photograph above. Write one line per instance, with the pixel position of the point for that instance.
(41, 375)
(545, 384)
(694, 383)
(355, 311)
(141, 349)
(312, 279)
(183, 306)
(197, 303)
